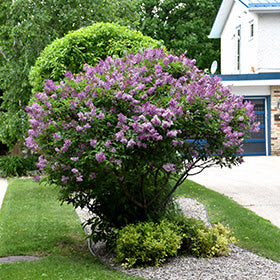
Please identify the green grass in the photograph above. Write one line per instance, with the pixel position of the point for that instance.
(253, 232)
(32, 222)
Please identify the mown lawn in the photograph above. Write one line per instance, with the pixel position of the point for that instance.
(32, 222)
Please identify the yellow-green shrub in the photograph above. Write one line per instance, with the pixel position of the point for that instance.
(147, 243)
(212, 242)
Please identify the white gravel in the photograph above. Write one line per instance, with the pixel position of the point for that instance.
(238, 265)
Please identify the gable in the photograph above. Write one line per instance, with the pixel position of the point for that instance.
(257, 6)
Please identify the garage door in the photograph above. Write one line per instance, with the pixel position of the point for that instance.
(257, 144)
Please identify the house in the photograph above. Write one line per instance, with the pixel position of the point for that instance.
(249, 31)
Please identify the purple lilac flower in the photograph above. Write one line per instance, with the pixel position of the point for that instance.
(79, 128)
(64, 179)
(131, 143)
(169, 167)
(87, 126)
(130, 83)
(56, 136)
(172, 133)
(67, 143)
(93, 142)
(42, 163)
(79, 178)
(107, 144)
(100, 116)
(155, 120)
(175, 143)
(36, 179)
(75, 171)
(122, 119)
(166, 124)
(100, 156)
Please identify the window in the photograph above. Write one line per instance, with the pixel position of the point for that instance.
(251, 26)
(238, 47)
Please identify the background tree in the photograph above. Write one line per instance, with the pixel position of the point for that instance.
(26, 27)
(183, 25)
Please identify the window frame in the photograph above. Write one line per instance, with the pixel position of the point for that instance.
(238, 48)
(251, 30)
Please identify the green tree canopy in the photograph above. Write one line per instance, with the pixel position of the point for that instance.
(26, 27)
(183, 25)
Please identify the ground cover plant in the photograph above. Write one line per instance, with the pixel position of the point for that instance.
(121, 137)
(32, 222)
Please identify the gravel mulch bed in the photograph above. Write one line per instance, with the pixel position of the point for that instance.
(238, 265)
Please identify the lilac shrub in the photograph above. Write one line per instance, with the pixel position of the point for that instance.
(121, 137)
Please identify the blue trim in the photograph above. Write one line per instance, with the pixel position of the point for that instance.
(243, 3)
(254, 154)
(268, 125)
(254, 140)
(248, 77)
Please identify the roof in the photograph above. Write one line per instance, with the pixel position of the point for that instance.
(263, 3)
(264, 6)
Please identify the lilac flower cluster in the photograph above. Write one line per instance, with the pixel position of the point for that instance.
(148, 106)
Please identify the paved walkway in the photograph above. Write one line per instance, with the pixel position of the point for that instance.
(255, 184)
(3, 188)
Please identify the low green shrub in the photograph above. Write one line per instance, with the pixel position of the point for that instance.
(212, 242)
(147, 243)
(198, 239)
(17, 165)
(188, 230)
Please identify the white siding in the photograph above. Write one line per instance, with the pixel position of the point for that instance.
(269, 42)
(239, 16)
(251, 90)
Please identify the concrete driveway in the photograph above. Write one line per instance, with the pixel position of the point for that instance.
(255, 184)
